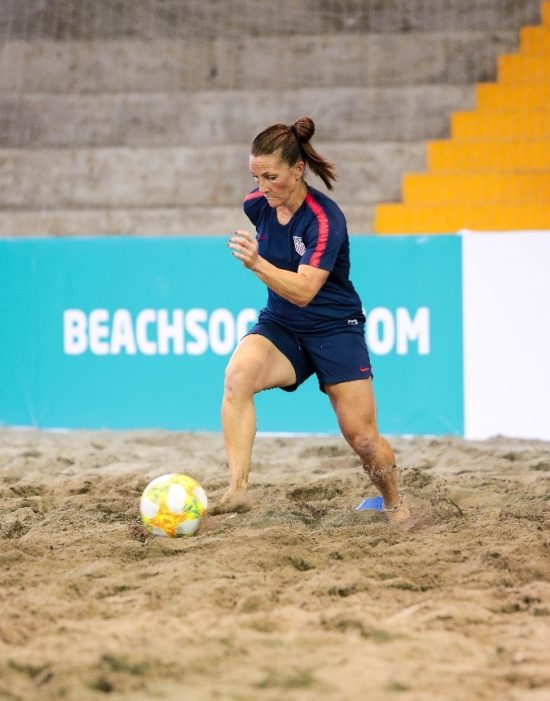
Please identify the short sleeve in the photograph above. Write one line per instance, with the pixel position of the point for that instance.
(324, 237)
(253, 204)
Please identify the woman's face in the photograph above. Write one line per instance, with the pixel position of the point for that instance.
(278, 182)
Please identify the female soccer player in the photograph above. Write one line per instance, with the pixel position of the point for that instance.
(313, 321)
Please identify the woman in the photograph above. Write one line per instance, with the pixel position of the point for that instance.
(313, 321)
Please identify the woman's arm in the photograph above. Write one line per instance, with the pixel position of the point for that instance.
(299, 288)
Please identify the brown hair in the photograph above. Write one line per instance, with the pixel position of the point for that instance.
(293, 141)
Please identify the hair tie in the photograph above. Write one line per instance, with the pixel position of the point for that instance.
(294, 131)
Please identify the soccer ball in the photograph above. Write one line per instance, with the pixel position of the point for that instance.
(173, 505)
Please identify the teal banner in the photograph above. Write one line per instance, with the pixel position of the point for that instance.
(129, 333)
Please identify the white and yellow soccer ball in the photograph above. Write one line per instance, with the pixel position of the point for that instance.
(173, 505)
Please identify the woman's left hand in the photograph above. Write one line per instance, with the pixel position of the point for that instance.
(244, 246)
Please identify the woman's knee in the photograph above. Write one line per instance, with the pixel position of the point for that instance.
(240, 379)
(364, 441)
(374, 451)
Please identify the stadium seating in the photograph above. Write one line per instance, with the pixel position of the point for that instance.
(137, 119)
(494, 173)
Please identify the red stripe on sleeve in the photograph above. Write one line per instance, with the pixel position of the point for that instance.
(253, 195)
(322, 221)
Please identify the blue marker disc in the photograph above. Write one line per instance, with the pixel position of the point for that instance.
(371, 504)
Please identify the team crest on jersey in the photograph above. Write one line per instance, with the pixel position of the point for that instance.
(299, 245)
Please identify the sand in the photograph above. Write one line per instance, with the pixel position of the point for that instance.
(297, 596)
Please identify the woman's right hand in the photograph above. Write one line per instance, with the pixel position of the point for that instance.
(244, 246)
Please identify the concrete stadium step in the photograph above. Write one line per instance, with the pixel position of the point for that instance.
(494, 125)
(514, 97)
(175, 177)
(154, 221)
(489, 155)
(214, 116)
(476, 188)
(442, 219)
(524, 68)
(535, 39)
(64, 20)
(166, 221)
(327, 60)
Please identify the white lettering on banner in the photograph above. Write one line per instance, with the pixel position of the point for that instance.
(99, 331)
(122, 334)
(170, 331)
(75, 337)
(144, 318)
(193, 321)
(380, 331)
(221, 329)
(386, 331)
(196, 331)
(417, 329)
(154, 331)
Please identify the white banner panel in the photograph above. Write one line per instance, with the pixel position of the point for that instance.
(506, 307)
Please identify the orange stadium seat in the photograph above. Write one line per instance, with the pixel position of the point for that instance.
(524, 68)
(490, 125)
(494, 171)
(527, 96)
(443, 218)
(476, 188)
(535, 40)
(479, 155)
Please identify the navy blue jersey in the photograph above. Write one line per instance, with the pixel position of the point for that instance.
(316, 235)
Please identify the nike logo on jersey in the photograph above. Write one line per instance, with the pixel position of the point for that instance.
(364, 369)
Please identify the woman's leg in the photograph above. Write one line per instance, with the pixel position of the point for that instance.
(355, 409)
(255, 365)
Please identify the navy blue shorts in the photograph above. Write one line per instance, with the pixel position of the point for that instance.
(339, 355)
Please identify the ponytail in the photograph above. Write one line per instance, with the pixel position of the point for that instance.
(294, 143)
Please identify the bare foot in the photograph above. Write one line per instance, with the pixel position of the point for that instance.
(400, 515)
(233, 501)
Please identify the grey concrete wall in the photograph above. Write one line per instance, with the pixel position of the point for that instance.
(182, 177)
(307, 61)
(151, 221)
(87, 19)
(220, 117)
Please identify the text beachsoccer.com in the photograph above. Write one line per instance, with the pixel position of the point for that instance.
(197, 331)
